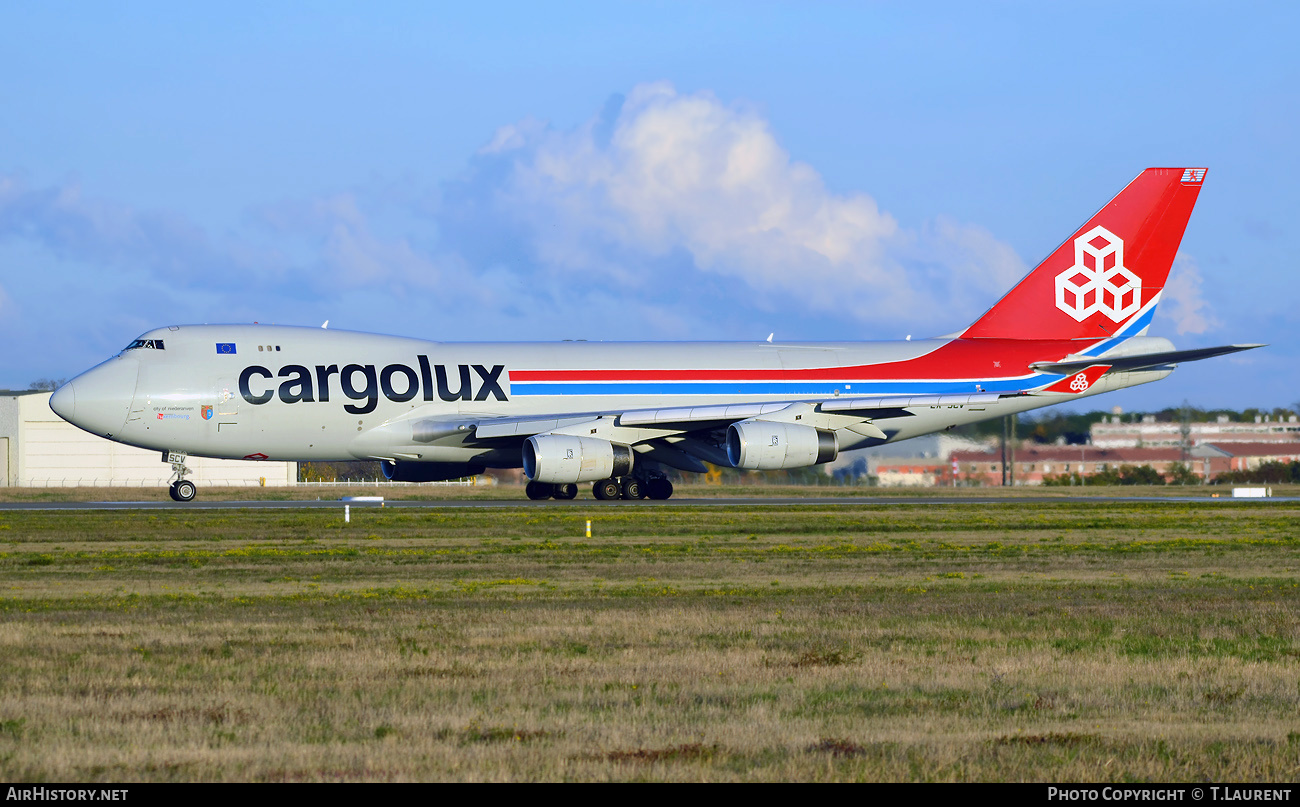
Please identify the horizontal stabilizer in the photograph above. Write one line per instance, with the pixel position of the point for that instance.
(1138, 361)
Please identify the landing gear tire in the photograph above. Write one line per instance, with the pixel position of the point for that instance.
(659, 488)
(631, 488)
(566, 491)
(606, 489)
(539, 490)
(183, 491)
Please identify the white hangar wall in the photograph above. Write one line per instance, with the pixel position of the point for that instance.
(40, 449)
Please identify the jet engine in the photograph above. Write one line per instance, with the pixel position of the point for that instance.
(561, 458)
(427, 471)
(764, 445)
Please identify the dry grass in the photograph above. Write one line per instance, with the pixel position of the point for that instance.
(1067, 642)
(758, 488)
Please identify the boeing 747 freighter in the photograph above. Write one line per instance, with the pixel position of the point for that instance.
(615, 414)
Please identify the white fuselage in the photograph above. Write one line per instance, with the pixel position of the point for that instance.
(291, 393)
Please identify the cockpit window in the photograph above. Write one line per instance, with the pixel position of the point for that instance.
(151, 344)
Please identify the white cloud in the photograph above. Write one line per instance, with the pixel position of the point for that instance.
(513, 136)
(665, 216)
(345, 242)
(356, 256)
(1182, 302)
(667, 174)
(101, 232)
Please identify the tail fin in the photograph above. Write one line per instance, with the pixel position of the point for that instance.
(1106, 279)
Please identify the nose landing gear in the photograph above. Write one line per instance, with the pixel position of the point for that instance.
(181, 489)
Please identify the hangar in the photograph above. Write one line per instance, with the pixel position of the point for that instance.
(40, 449)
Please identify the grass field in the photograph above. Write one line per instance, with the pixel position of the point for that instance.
(158, 493)
(1059, 641)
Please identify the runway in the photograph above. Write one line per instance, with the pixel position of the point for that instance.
(588, 504)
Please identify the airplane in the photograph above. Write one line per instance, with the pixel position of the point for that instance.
(615, 414)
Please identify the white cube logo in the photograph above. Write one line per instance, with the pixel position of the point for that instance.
(1098, 280)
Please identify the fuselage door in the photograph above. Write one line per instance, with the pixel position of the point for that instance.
(226, 395)
(224, 412)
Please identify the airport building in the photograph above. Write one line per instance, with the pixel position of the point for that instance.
(909, 463)
(1032, 463)
(1114, 432)
(40, 449)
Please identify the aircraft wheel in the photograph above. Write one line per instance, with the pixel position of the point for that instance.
(566, 491)
(539, 490)
(659, 488)
(632, 488)
(184, 491)
(606, 489)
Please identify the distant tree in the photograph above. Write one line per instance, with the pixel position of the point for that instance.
(1180, 473)
(1046, 428)
(1139, 475)
(47, 384)
(1110, 476)
(1127, 475)
(1269, 473)
(1073, 428)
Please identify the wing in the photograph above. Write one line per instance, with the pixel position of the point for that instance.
(1138, 361)
(680, 437)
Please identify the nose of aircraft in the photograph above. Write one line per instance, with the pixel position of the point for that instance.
(64, 402)
(99, 399)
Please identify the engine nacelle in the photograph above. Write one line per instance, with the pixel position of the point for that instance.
(764, 445)
(561, 458)
(427, 471)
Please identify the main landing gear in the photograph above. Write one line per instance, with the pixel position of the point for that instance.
(628, 487)
(181, 489)
(609, 489)
(545, 490)
(659, 488)
(631, 487)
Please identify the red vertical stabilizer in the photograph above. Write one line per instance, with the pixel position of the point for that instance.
(1109, 272)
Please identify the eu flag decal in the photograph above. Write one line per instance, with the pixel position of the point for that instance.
(225, 347)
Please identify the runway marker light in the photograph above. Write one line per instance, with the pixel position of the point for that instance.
(588, 528)
(347, 513)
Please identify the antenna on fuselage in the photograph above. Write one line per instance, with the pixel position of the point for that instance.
(325, 324)
(770, 335)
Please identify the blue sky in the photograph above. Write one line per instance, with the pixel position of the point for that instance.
(655, 171)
